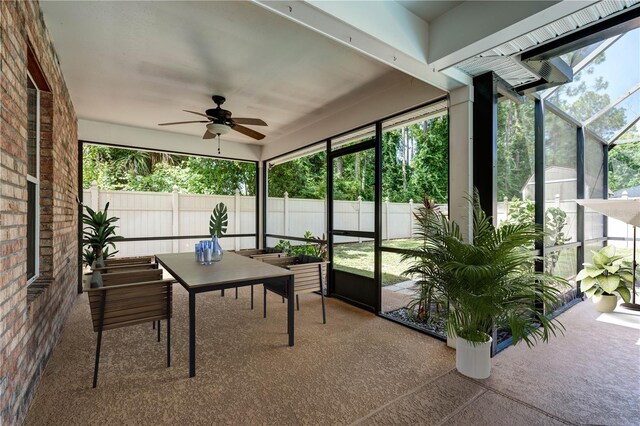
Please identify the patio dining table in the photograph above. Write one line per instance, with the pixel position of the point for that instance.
(232, 271)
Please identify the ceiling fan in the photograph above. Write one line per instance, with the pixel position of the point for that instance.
(219, 122)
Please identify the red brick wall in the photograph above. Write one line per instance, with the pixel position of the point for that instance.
(31, 318)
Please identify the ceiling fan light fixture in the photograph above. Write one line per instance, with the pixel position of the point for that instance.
(218, 128)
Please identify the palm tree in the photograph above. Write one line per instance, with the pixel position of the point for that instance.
(490, 282)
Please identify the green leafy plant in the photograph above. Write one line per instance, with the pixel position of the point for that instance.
(489, 282)
(318, 249)
(98, 234)
(554, 223)
(521, 211)
(427, 294)
(219, 220)
(608, 274)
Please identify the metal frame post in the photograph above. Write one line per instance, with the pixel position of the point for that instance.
(330, 283)
(485, 142)
(605, 190)
(580, 165)
(265, 198)
(539, 170)
(80, 211)
(377, 261)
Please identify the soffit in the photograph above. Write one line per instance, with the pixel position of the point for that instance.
(140, 63)
(504, 59)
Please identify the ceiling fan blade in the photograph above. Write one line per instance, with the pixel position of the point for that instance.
(250, 121)
(208, 135)
(181, 122)
(197, 113)
(248, 132)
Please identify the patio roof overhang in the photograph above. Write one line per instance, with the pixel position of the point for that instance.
(332, 69)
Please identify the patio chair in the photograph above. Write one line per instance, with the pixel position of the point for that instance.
(121, 299)
(125, 262)
(253, 253)
(309, 275)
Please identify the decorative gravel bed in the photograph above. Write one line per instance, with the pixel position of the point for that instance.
(435, 324)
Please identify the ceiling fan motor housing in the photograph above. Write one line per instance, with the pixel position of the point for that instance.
(222, 115)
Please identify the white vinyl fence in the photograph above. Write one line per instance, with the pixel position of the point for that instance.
(157, 214)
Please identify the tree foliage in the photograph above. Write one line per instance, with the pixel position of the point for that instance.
(132, 170)
(581, 99)
(624, 166)
(415, 162)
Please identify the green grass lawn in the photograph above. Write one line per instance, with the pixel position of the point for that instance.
(358, 258)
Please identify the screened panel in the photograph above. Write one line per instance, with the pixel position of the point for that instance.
(618, 118)
(602, 82)
(297, 188)
(575, 57)
(593, 186)
(560, 180)
(563, 264)
(516, 162)
(415, 167)
(624, 170)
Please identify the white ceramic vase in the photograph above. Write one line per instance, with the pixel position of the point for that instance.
(473, 360)
(606, 302)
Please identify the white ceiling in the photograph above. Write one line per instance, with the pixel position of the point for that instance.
(429, 10)
(141, 63)
(309, 69)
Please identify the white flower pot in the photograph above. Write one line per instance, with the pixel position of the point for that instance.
(473, 360)
(605, 303)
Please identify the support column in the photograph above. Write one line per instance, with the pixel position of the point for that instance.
(261, 203)
(359, 216)
(539, 169)
(485, 142)
(237, 219)
(285, 227)
(580, 195)
(410, 217)
(605, 186)
(461, 157)
(175, 218)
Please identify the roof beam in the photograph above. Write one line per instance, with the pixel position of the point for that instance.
(623, 22)
(387, 32)
(475, 27)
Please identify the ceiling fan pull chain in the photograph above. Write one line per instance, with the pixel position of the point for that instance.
(218, 143)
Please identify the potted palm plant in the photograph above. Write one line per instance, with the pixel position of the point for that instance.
(489, 282)
(607, 275)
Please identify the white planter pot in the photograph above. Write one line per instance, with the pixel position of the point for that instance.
(605, 303)
(473, 360)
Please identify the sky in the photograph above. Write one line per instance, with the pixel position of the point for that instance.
(622, 70)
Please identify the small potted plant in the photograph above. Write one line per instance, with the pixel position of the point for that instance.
(99, 233)
(607, 275)
(489, 282)
(217, 228)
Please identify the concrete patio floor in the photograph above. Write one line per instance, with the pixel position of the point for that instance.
(358, 368)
